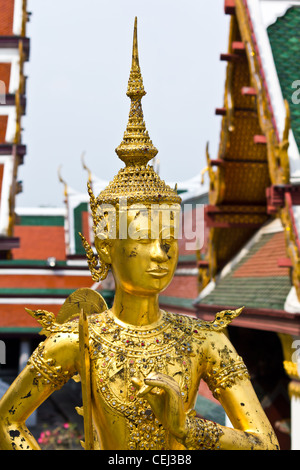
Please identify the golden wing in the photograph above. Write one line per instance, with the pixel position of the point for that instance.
(83, 303)
(80, 304)
(87, 299)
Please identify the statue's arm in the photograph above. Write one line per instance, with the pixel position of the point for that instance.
(251, 428)
(229, 381)
(51, 365)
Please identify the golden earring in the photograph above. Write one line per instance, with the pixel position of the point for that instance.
(98, 272)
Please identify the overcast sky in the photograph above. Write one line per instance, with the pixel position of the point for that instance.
(78, 71)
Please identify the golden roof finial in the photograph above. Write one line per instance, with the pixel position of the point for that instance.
(86, 168)
(136, 147)
(61, 180)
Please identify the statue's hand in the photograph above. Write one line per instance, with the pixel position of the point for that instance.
(164, 396)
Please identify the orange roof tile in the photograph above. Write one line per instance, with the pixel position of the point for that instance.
(264, 263)
(40, 242)
(5, 69)
(51, 281)
(14, 315)
(6, 17)
(3, 126)
(183, 287)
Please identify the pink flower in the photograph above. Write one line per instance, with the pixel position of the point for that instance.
(66, 425)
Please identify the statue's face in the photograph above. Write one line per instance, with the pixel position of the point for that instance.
(144, 262)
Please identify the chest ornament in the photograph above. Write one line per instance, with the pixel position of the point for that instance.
(119, 354)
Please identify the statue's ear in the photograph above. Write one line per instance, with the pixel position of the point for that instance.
(103, 249)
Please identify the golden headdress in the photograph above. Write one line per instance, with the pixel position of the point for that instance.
(137, 182)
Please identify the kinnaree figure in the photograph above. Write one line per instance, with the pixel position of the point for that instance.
(140, 367)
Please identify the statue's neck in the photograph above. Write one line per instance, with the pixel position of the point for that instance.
(134, 309)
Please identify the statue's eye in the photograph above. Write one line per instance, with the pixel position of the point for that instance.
(144, 240)
(166, 245)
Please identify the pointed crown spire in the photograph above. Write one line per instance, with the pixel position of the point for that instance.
(136, 147)
(137, 181)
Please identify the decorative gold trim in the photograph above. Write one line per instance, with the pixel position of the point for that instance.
(226, 377)
(294, 389)
(97, 267)
(292, 243)
(85, 374)
(291, 368)
(216, 180)
(202, 434)
(24, 18)
(47, 371)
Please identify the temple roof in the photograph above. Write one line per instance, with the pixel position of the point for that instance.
(14, 51)
(255, 276)
(255, 177)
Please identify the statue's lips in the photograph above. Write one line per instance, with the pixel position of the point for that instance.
(158, 272)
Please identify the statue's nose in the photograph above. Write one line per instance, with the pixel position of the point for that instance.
(157, 253)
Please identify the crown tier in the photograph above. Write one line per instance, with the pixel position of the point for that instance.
(136, 147)
(137, 182)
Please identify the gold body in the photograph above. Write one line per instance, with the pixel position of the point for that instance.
(140, 367)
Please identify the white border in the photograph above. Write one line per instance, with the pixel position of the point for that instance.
(30, 301)
(44, 272)
(11, 112)
(274, 89)
(41, 211)
(273, 9)
(18, 17)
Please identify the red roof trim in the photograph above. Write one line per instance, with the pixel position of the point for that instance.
(278, 321)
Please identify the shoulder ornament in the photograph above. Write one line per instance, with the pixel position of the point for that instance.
(48, 321)
(221, 321)
(67, 318)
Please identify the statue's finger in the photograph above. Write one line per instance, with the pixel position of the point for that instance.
(137, 383)
(144, 390)
(163, 383)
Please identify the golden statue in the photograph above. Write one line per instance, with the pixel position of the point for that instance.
(140, 367)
